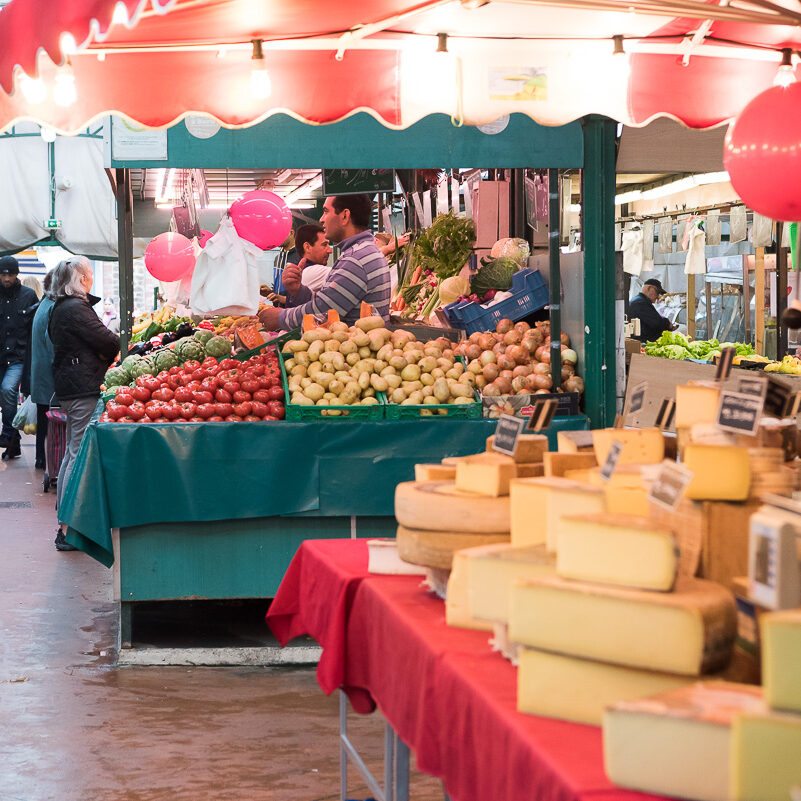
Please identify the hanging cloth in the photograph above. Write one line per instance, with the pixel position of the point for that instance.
(647, 246)
(762, 231)
(695, 262)
(633, 250)
(666, 235)
(738, 224)
(713, 227)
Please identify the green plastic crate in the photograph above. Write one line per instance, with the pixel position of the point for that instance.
(297, 412)
(277, 342)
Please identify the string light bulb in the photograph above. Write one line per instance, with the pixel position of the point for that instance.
(64, 92)
(120, 15)
(260, 84)
(47, 133)
(785, 75)
(33, 89)
(67, 44)
(620, 60)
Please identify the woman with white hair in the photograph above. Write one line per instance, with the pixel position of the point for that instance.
(83, 348)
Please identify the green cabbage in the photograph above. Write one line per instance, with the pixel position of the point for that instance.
(513, 248)
(451, 289)
(495, 274)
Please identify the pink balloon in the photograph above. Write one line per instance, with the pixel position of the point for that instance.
(169, 256)
(204, 237)
(262, 218)
(762, 153)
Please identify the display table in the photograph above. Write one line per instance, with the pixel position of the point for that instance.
(442, 689)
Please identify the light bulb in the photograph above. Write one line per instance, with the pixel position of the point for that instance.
(260, 84)
(620, 69)
(64, 92)
(785, 75)
(120, 15)
(67, 44)
(47, 133)
(33, 89)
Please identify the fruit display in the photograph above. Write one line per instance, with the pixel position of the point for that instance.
(151, 324)
(674, 345)
(196, 392)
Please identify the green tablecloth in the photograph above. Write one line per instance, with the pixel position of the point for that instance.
(130, 475)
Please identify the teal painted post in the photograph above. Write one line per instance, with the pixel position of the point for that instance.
(598, 212)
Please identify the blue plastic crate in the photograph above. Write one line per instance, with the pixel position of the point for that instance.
(529, 294)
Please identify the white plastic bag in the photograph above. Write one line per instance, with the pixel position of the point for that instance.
(226, 276)
(26, 414)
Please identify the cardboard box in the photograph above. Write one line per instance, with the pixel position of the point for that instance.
(490, 212)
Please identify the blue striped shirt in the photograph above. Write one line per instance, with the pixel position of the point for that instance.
(360, 274)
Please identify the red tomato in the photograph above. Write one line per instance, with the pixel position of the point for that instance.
(243, 409)
(233, 418)
(122, 390)
(184, 395)
(174, 370)
(229, 364)
(232, 386)
(153, 409)
(276, 409)
(276, 393)
(136, 410)
(125, 398)
(187, 409)
(116, 410)
(174, 381)
(262, 395)
(104, 418)
(210, 361)
(127, 420)
(197, 419)
(213, 369)
(264, 381)
(206, 410)
(259, 409)
(171, 411)
(191, 365)
(139, 381)
(163, 376)
(209, 384)
(240, 396)
(257, 369)
(185, 379)
(224, 409)
(222, 396)
(229, 375)
(275, 380)
(194, 385)
(252, 418)
(250, 386)
(141, 394)
(200, 374)
(202, 396)
(271, 417)
(215, 419)
(163, 394)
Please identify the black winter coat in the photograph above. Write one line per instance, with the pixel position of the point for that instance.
(17, 307)
(83, 348)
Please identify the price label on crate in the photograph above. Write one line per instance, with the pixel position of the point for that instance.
(670, 485)
(542, 414)
(753, 385)
(725, 362)
(612, 457)
(637, 399)
(506, 434)
(739, 413)
(777, 397)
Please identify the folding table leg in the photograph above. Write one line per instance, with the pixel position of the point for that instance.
(389, 761)
(401, 770)
(343, 754)
(445, 795)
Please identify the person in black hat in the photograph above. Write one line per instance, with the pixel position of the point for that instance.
(652, 323)
(17, 307)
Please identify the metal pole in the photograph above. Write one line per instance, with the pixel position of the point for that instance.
(555, 278)
(781, 292)
(343, 754)
(519, 203)
(125, 255)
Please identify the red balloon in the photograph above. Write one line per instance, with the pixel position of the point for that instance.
(204, 237)
(262, 218)
(169, 256)
(762, 153)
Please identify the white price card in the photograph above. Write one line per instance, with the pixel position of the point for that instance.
(670, 485)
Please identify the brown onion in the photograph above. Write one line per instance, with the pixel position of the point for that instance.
(512, 337)
(474, 337)
(504, 326)
(488, 357)
(481, 382)
(507, 374)
(565, 339)
(522, 327)
(541, 368)
(490, 371)
(486, 341)
(491, 390)
(519, 383)
(567, 371)
(574, 384)
(541, 381)
(542, 392)
(518, 354)
(543, 354)
(506, 362)
(504, 385)
(522, 369)
(472, 351)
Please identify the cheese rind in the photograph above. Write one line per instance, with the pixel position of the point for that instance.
(556, 464)
(676, 743)
(457, 607)
(490, 478)
(492, 571)
(781, 659)
(696, 403)
(529, 447)
(640, 445)
(574, 441)
(578, 690)
(435, 549)
(689, 631)
(439, 506)
(624, 550)
(765, 756)
(434, 472)
(720, 473)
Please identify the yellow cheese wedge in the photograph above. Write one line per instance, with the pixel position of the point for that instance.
(621, 549)
(677, 743)
(689, 631)
(640, 445)
(457, 608)
(556, 464)
(492, 571)
(766, 756)
(627, 500)
(489, 477)
(529, 448)
(533, 470)
(574, 442)
(720, 473)
(435, 549)
(578, 690)
(538, 503)
(434, 472)
(781, 659)
(696, 402)
(439, 506)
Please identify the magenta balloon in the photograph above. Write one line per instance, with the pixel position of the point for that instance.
(762, 153)
(204, 237)
(169, 256)
(262, 218)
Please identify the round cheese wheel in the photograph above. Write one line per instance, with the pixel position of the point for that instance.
(439, 506)
(435, 549)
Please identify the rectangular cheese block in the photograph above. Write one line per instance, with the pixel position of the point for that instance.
(493, 569)
(676, 743)
(434, 472)
(627, 500)
(533, 470)
(765, 756)
(621, 549)
(529, 448)
(781, 658)
(689, 631)
(640, 445)
(720, 473)
(490, 476)
(578, 690)
(696, 402)
(537, 504)
(557, 463)
(574, 441)
(457, 611)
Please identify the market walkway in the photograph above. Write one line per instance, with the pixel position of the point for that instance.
(74, 727)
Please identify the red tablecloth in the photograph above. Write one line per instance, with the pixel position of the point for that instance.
(446, 694)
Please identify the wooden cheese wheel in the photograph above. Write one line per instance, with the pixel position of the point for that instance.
(439, 506)
(435, 549)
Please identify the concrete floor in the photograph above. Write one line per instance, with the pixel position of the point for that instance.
(75, 727)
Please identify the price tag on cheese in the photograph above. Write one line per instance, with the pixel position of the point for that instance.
(667, 411)
(777, 397)
(753, 385)
(637, 398)
(542, 414)
(739, 413)
(725, 361)
(611, 460)
(670, 485)
(506, 434)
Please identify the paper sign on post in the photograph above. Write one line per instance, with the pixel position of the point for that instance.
(542, 414)
(670, 485)
(611, 460)
(725, 361)
(506, 434)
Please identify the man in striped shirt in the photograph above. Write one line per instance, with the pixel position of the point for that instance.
(361, 273)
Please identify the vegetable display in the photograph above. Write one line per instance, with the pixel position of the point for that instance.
(674, 345)
(445, 246)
